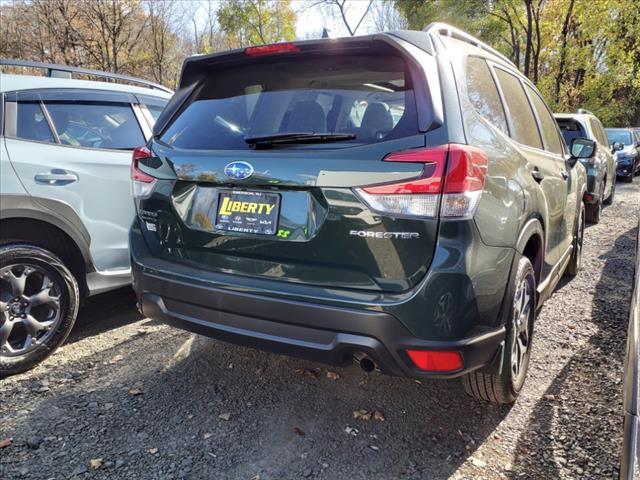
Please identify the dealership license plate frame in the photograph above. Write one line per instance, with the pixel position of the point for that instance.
(242, 222)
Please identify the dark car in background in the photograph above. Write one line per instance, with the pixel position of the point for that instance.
(404, 200)
(626, 143)
(601, 166)
(630, 458)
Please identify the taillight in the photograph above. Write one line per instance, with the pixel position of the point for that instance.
(271, 49)
(454, 193)
(143, 183)
(436, 360)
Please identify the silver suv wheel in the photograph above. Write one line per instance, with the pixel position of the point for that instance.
(29, 308)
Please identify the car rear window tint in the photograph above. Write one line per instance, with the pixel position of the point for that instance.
(96, 125)
(523, 124)
(32, 124)
(548, 125)
(369, 96)
(571, 129)
(483, 93)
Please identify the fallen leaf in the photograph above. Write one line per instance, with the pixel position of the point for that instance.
(378, 415)
(95, 463)
(5, 442)
(225, 416)
(478, 462)
(298, 432)
(550, 398)
(207, 435)
(362, 415)
(135, 391)
(152, 451)
(212, 454)
(374, 448)
(332, 375)
(257, 477)
(351, 431)
(307, 372)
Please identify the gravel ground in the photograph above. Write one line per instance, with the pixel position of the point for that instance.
(129, 398)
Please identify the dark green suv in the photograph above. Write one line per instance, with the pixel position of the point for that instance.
(403, 200)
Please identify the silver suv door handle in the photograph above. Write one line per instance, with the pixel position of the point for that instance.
(56, 176)
(564, 174)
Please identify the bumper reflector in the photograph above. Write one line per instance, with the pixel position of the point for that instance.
(436, 360)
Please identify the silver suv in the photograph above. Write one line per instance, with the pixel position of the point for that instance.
(601, 165)
(65, 198)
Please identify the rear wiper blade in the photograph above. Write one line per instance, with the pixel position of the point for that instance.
(262, 141)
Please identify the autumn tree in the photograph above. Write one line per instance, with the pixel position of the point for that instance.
(255, 22)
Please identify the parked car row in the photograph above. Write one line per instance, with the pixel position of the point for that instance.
(403, 200)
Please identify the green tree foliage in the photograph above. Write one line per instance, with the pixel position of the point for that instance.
(579, 53)
(255, 22)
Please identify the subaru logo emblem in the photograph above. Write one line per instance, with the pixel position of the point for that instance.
(238, 170)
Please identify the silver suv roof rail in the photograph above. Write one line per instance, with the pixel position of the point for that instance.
(584, 111)
(64, 71)
(453, 32)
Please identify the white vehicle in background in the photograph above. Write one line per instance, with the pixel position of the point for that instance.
(65, 197)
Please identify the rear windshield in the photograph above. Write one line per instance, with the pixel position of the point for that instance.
(370, 97)
(621, 136)
(571, 129)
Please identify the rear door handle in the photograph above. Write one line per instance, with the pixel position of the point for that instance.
(537, 175)
(564, 174)
(57, 177)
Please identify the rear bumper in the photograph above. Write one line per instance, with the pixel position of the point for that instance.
(316, 332)
(626, 169)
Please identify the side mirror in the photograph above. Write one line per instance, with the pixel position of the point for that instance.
(582, 148)
(617, 146)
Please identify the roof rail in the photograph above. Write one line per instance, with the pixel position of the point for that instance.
(453, 32)
(584, 111)
(64, 71)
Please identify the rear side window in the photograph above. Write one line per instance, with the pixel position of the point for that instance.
(523, 124)
(154, 105)
(369, 96)
(483, 93)
(598, 130)
(31, 123)
(547, 123)
(95, 124)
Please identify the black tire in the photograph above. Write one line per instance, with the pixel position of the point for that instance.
(576, 255)
(505, 386)
(609, 199)
(594, 210)
(51, 316)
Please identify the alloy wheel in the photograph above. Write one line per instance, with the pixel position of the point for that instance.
(29, 308)
(579, 239)
(522, 326)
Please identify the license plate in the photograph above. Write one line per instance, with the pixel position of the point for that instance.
(248, 212)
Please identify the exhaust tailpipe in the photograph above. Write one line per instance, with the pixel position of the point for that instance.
(366, 363)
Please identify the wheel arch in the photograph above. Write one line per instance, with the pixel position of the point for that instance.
(21, 222)
(531, 244)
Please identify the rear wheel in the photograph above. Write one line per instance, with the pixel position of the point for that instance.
(609, 199)
(505, 386)
(594, 210)
(38, 306)
(576, 255)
